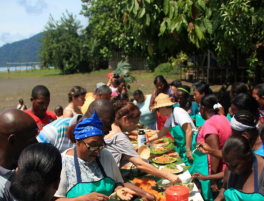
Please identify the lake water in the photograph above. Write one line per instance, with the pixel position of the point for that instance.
(22, 68)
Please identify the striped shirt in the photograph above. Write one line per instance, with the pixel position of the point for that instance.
(5, 176)
(55, 133)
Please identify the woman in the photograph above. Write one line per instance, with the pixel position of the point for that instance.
(147, 117)
(200, 89)
(76, 100)
(245, 176)
(127, 116)
(258, 94)
(179, 124)
(121, 86)
(89, 172)
(214, 132)
(161, 87)
(38, 174)
(112, 77)
(236, 88)
(183, 96)
(243, 123)
(174, 85)
(245, 102)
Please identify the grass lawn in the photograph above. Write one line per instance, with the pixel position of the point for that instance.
(15, 85)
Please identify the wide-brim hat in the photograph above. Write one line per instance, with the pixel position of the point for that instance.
(162, 100)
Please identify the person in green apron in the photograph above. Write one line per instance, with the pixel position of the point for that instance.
(180, 124)
(200, 89)
(246, 171)
(89, 172)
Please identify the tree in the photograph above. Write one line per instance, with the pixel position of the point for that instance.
(62, 47)
(227, 27)
(106, 28)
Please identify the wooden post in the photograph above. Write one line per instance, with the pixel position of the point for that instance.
(208, 65)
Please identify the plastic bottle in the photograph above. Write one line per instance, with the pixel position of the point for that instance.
(141, 138)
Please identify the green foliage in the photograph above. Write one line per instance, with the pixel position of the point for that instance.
(21, 51)
(253, 64)
(172, 67)
(107, 21)
(62, 47)
(124, 69)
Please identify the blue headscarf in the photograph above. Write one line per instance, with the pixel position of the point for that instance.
(89, 127)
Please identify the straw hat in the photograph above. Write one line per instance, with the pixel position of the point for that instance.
(162, 100)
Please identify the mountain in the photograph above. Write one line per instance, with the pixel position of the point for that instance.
(21, 51)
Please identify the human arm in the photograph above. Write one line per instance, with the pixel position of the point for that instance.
(110, 80)
(206, 149)
(67, 113)
(199, 176)
(145, 196)
(88, 197)
(147, 168)
(224, 187)
(188, 132)
(160, 134)
(213, 141)
(152, 101)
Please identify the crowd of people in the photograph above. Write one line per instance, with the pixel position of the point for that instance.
(82, 147)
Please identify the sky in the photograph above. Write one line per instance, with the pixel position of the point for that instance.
(21, 19)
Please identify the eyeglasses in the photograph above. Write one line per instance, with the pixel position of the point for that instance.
(94, 148)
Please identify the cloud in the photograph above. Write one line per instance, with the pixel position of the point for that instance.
(35, 8)
(9, 38)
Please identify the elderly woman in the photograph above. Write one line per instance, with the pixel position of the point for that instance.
(89, 172)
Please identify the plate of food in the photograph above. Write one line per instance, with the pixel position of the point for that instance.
(171, 168)
(190, 186)
(161, 148)
(164, 159)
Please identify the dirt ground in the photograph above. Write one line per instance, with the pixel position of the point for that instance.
(59, 86)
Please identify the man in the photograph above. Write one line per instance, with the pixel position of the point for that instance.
(55, 132)
(40, 99)
(102, 92)
(17, 131)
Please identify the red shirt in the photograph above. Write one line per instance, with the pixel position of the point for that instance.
(49, 117)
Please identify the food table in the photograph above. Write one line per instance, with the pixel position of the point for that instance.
(184, 176)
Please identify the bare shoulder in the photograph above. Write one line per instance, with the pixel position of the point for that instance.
(67, 113)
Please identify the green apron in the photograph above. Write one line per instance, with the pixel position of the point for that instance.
(104, 186)
(199, 121)
(228, 117)
(232, 194)
(200, 164)
(180, 138)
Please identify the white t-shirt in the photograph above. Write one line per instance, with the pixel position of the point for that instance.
(114, 89)
(90, 171)
(181, 117)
